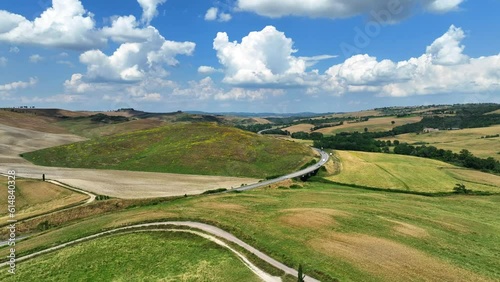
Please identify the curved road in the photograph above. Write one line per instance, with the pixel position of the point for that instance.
(210, 229)
(324, 158)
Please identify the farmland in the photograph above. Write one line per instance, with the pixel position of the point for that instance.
(408, 173)
(456, 140)
(373, 124)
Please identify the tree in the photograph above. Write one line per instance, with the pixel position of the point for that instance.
(393, 122)
(460, 189)
(300, 276)
(366, 129)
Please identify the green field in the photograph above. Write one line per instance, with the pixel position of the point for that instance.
(335, 231)
(191, 148)
(152, 256)
(456, 140)
(408, 173)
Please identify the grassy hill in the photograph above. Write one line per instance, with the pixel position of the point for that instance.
(164, 256)
(409, 173)
(191, 148)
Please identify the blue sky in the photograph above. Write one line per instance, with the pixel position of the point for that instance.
(248, 55)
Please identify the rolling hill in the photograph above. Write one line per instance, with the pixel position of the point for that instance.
(190, 148)
(387, 171)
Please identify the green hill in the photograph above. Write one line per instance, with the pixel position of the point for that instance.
(190, 148)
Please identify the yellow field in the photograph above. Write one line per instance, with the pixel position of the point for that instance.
(303, 127)
(494, 112)
(36, 197)
(456, 140)
(408, 173)
(374, 124)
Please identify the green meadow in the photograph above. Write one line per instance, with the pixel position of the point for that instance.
(148, 256)
(334, 231)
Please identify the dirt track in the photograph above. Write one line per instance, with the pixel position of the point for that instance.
(208, 231)
(121, 184)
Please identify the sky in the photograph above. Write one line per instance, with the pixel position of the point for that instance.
(280, 56)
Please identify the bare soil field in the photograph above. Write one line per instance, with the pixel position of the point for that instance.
(30, 121)
(121, 184)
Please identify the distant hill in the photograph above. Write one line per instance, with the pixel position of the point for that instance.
(262, 115)
(191, 148)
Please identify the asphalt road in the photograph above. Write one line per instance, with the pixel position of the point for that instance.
(324, 158)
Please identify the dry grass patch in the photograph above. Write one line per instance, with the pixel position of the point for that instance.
(223, 206)
(388, 260)
(36, 197)
(315, 218)
(407, 229)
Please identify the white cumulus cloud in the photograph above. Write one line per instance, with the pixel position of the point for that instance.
(442, 69)
(149, 9)
(130, 63)
(447, 50)
(13, 86)
(213, 14)
(207, 70)
(262, 58)
(266, 59)
(64, 25)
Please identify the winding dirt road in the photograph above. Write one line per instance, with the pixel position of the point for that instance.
(206, 228)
